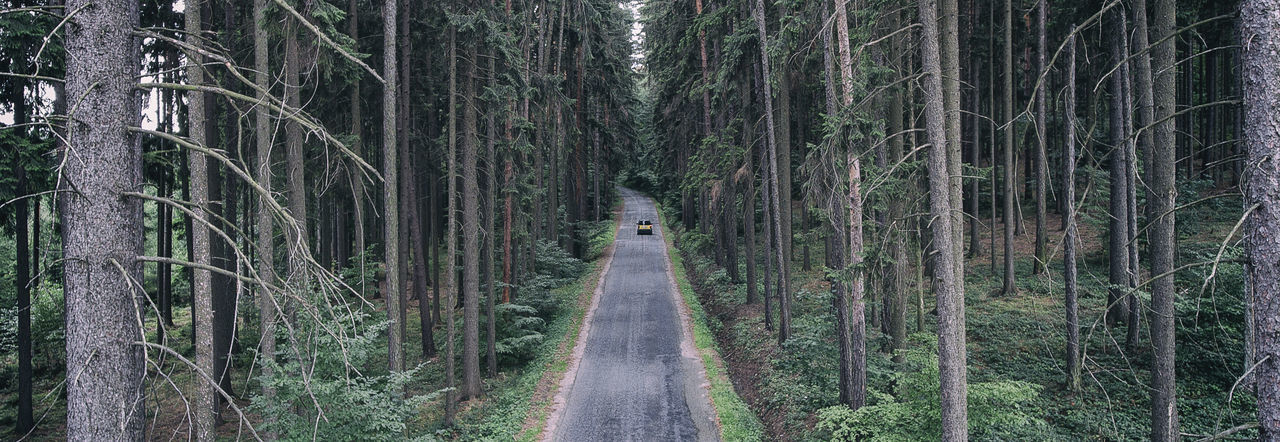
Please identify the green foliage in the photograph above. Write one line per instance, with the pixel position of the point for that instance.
(519, 333)
(339, 397)
(695, 241)
(599, 235)
(997, 410)
(556, 263)
(47, 334)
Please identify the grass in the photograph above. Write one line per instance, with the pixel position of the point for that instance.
(737, 421)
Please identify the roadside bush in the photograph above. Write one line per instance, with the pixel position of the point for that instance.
(599, 235)
(997, 410)
(556, 263)
(519, 334)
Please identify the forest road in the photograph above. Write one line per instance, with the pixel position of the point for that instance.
(639, 377)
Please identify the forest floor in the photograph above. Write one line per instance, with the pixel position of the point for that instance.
(1018, 337)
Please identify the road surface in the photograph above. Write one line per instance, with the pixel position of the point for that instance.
(639, 377)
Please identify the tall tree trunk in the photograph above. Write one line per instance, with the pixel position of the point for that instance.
(357, 130)
(390, 187)
(420, 268)
(404, 155)
(265, 230)
(949, 51)
(784, 313)
(1164, 412)
(1143, 110)
(433, 188)
(857, 308)
(508, 173)
(1069, 242)
(948, 288)
(766, 210)
(1118, 222)
(165, 249)
(164, 226)
(748, 195)
(783, 153)
(782, 146)
(897, 297)
(101, 228)
(295, 163)
(225, 292)
(22, 280)
(1260, 38)
(491, 190)
(202, 305)
(836, 244)
(470, 237)
(975, 132)
(222, 196)
(1042, 158)
(1010, 288)
(577, 160)
(992, 118)
(451, 230)
(1144, 93)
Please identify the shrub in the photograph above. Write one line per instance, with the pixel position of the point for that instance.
(997, 409)
(353, 404)
(519, 334)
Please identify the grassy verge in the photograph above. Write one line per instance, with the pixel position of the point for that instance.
(737, 422)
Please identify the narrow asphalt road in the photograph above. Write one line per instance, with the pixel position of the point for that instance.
(639, 377)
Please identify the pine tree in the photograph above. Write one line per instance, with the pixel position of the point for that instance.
(101, 227)
(1260, 38)
(947, 287)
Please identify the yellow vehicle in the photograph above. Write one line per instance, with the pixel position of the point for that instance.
(644, 227)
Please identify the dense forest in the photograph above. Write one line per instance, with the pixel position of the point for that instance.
(363, 219)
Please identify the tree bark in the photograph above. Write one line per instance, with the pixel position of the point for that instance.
(420, 270)
(784, 313)
(22, 280)
(948, 288)
(1118, 221)
(1132, 186)
(357, 129)
(1164, 411)
(857, 308)
(404, 155)
(1010, 288)
(1042, 159)
(265, 230)
(992, 125)
(1260, 38)
(451, 230)
(975, 132)
(101, 228)
(897, 298)
(470, 237)
(749, 194)
(202, 296)
(295, 163)
(949, 51)
(1072, 235)
(390, 187)
(490, 191)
